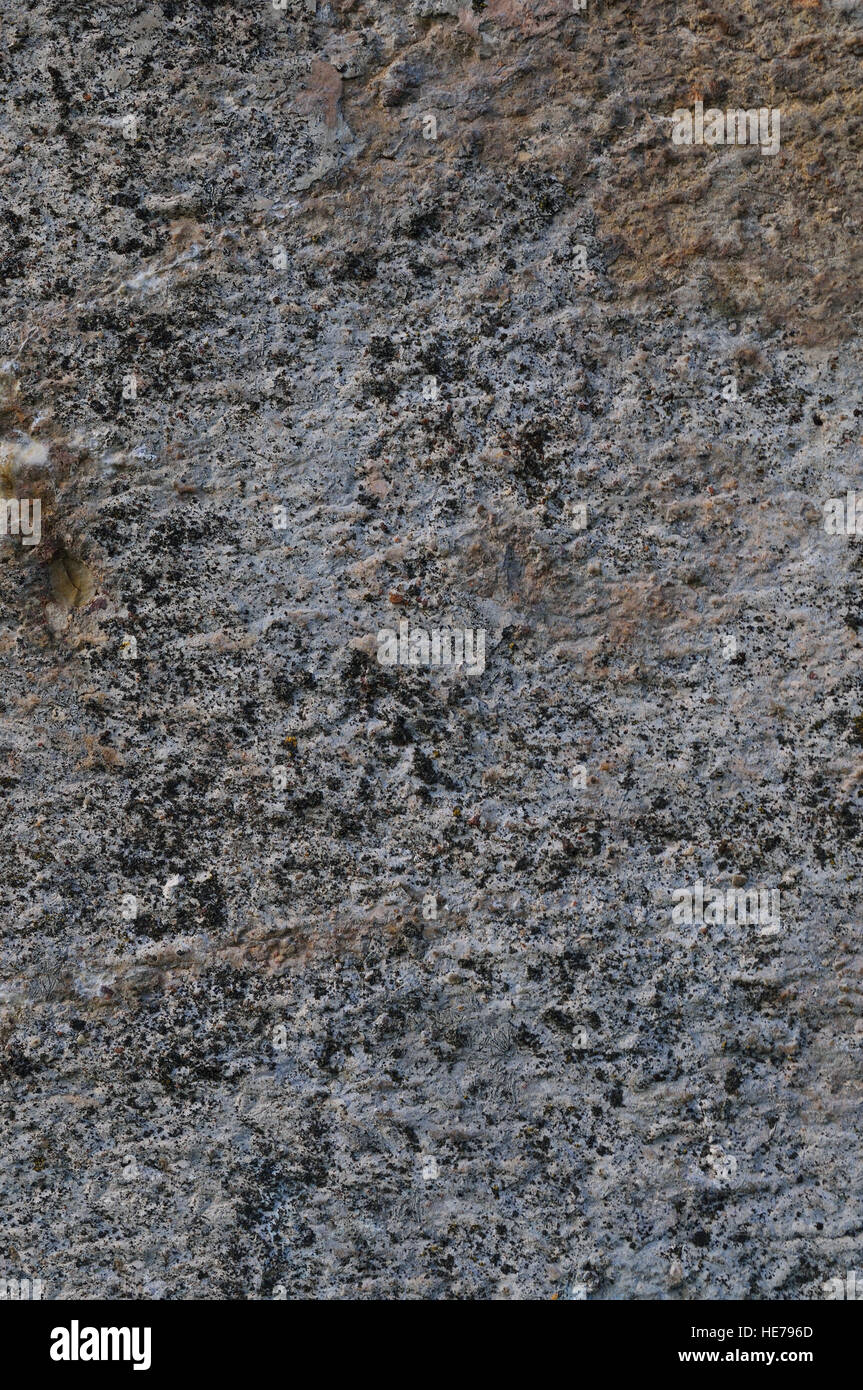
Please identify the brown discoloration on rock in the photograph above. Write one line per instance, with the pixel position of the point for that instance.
(322, 93)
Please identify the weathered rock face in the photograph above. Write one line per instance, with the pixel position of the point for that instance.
(323, 977)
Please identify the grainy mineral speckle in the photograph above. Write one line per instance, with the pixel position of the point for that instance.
(322, 978)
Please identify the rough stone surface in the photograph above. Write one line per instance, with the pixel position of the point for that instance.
(278, 1072)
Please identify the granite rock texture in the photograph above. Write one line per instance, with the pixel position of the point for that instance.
(321, 978)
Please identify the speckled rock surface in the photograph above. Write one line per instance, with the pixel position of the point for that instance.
(321, 978)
